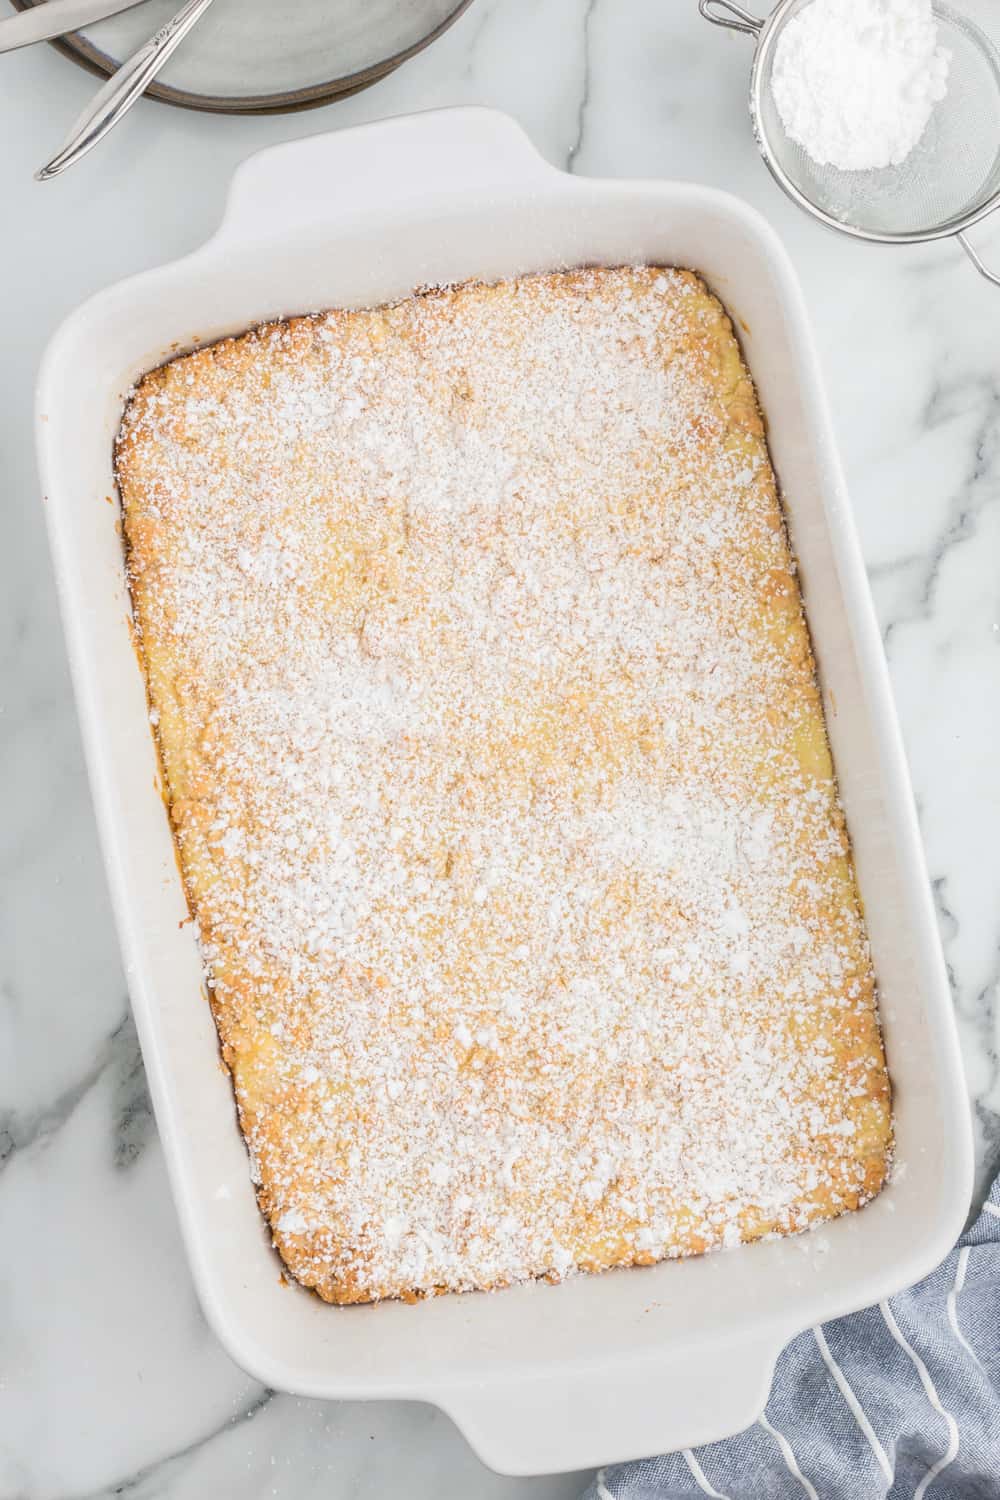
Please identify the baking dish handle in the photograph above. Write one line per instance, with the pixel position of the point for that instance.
(323, 178)
(602, 1414)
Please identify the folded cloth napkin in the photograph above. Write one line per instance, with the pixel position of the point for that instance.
(901, 1400)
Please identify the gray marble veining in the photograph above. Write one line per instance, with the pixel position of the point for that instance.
(110, 1383)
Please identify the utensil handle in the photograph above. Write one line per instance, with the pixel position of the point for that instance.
(55, 18)
(380, 168)
(977, 260)
(122, 89)
(582, 1416)
(732, 16)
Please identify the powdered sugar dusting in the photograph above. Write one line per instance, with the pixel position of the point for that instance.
(500, 785)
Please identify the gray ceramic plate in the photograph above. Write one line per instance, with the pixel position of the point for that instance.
(248, 56)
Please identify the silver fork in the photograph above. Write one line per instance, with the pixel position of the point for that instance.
(122, 89)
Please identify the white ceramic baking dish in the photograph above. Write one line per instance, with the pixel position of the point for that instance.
(601, 1368)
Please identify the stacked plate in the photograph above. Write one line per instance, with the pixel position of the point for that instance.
(248, 56)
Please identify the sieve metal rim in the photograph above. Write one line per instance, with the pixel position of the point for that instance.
(765, 31)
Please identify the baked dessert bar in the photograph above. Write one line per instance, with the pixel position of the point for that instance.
(498, 775)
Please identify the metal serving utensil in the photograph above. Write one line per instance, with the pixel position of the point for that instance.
(55, 18)
(122, 89)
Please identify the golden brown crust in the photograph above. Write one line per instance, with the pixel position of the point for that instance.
(499, 780)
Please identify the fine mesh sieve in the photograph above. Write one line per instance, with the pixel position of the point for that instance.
(951, 178)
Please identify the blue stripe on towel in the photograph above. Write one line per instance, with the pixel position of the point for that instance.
(898, 1402)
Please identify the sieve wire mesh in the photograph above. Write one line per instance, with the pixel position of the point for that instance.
(952, 173)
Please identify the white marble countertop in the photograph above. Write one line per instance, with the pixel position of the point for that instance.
(111, 1383)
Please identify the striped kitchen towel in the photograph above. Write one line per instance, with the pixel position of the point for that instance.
(901, 1400)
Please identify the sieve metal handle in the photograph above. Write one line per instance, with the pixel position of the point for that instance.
(732, 16)
(977, 260)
